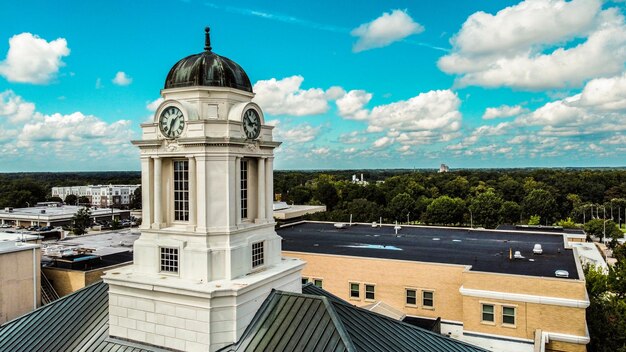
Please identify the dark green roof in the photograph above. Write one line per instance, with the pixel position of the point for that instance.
(318, 321)
(312, 321)
(76, 322)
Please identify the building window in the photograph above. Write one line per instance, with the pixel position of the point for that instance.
(169, 260)
(428, 299)
(318, 282)
(508, 315)
(258, 255)
(305, 280)
(488, 313)
(354, 290)
(181, 190)
(411, 297)
(369, 292)
(244, 189)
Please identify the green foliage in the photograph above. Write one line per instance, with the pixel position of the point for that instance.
(567, 223)
(55, 199)
(327, 194)
(606, 314)
(299, 195)
(71, 199)
(115, 224)
(486, 208)
(135, 199)
(82, 200)
(400, 206)
(445, 210)
(534, 220)
(363, 210)
(540, 202)
(510, 212)
(81, 221)
(596, 227)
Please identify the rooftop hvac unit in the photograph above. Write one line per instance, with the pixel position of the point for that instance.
(561, 273)
(8, 209)
(341, 225)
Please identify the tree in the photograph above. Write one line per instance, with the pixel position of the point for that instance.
(534, 220)
(299, 195)
(135, 199)
(596, 228)
(81, 221)
(401, 206)
(327, 194)
(567, 223)
(510, 212)
(540, 202)
(55, 199)
(445, 210)
(486, 209)
(82, 200)
(71, 199)
(363, 210)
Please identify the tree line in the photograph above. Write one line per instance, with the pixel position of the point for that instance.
(484, 198)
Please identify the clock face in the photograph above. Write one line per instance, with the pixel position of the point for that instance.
(171, 122)
(251, 124)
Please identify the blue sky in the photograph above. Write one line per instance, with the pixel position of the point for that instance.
(350, 84)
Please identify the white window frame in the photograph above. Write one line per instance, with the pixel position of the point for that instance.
(373, 292)
(508, 315)
(181, 214)
(493, 313)
(432, 299)
(406, 297)
(358, 290)
(173, 263)
(258, 254)
(243, 189)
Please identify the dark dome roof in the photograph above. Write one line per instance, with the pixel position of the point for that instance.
(207, 69)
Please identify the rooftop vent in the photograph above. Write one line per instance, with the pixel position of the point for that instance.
(561, 273)
(8, 209)
(537, 249)
(341, 225)
(518, 255)
(42, 211)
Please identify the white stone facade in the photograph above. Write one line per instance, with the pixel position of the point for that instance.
(225, 260)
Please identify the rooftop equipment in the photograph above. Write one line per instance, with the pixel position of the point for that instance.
(561, 273)
(537, 249)
(518, 255)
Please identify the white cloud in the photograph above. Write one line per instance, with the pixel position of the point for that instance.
(301, 134)
(350, 150)
(503, 111)
(15, 108)
(351, 104)
(605, 94)
(352, 138)
(538, 44)
(32, 59)
(434, 110)
(122, 79)
(382, 142)
(98, 83)
(320, 151)
(285, 97)
(384, 30)
(153, 105)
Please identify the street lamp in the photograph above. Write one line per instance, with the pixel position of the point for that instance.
(471, 218)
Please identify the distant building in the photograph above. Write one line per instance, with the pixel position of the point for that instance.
(99, 195)
(444, 168)
(470, 281)
(54, 215)
(360, 181)
(19, 277)
(284, 211)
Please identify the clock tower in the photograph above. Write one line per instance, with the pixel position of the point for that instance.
(208, 254)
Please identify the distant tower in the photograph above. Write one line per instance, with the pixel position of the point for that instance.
(208, 254)
(443, 168)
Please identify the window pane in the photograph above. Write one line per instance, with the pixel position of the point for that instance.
(427, 298)
(508, 315)
(318, 283)
(244, 189)
(369, 292)
(305, 280)
(354, 290)
(258, 254)
(488, 312)
(181, 190)
(411, 297)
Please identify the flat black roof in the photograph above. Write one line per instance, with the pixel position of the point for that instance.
(483, 250)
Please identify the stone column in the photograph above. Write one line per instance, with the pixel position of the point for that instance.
(193, 197)
(238, 190)
(158, 181)
(261, 189)
(269, 189)
(146, 194)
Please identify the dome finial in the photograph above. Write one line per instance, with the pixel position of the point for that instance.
(207, 39)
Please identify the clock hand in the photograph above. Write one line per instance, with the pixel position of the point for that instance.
(172, 123)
